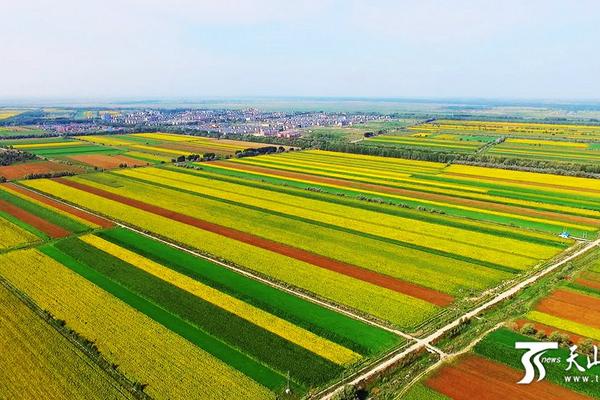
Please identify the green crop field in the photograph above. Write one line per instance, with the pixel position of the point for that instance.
(283, 217)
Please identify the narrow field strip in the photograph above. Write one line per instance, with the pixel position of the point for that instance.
(482, 206)
(12, 235)
(351, 333)
(474, 377)
(403, 287)
(34, 352)
(219, 332)
(82, 216)
(42, 225)
(358, 295)
(144, 350)
(280, 327)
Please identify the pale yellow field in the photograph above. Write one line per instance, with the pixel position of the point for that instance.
(39, 363)
(144, 350)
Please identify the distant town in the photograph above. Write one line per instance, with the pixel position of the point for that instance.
(248, 121)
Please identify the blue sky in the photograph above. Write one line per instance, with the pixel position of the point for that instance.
(196, 48)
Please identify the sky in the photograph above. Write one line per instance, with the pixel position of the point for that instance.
(195, 49)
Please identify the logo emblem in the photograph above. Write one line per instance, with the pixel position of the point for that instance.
(531, 358)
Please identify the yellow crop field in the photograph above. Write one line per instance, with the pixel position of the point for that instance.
(532, 178)
(409, 230)
(38, 363)
(104, 139)
(54, 210)
(144, 350)
(165, 136)
(548, 142)
(378, 301)
(147, 156)
(13, 235)
(308, 340)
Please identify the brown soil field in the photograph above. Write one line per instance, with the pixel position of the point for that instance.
(19, 171)
(102, 222)
(575, 338)
(48, 228)
(475, 377)
(430, 295)
(592, 284)
(572, 306)
(484, 205)
(108, 162)
(541, 184)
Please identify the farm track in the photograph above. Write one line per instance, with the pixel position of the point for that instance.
(433, 337)
(450, 200)
(251, 275)
(407, 288)
(396, 355)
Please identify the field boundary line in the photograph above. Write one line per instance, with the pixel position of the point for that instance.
(333, 390)
(449, 356)
(250, 275)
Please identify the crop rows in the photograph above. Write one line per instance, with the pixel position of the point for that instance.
(379, 259)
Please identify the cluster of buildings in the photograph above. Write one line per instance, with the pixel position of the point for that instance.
(243, 121)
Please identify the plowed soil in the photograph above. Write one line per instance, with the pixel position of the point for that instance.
(102, 222)
(108, 162)
(42, 225)
(572, 306)
(588, 283)
(478, 378)
(19, 171)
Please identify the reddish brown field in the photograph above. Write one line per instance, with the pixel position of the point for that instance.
(366, 275)
(572, 306)
(19, 171)
(108, 162)
(549, 329)
(592, 284)
(416, 194)
(478, 378)
(102, 222)
(42, 225)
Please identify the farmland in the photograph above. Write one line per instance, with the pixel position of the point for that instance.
(557, 150)
(354, 132)
(567, 315)
(242, 277)
(434, 142)
(259, 221)
(16, 131)
(164, 146)
(34, 352)
(515, 140)
(528, 200)
(171, 300)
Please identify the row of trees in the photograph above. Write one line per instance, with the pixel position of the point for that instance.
(544, 166)
(12, 156)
